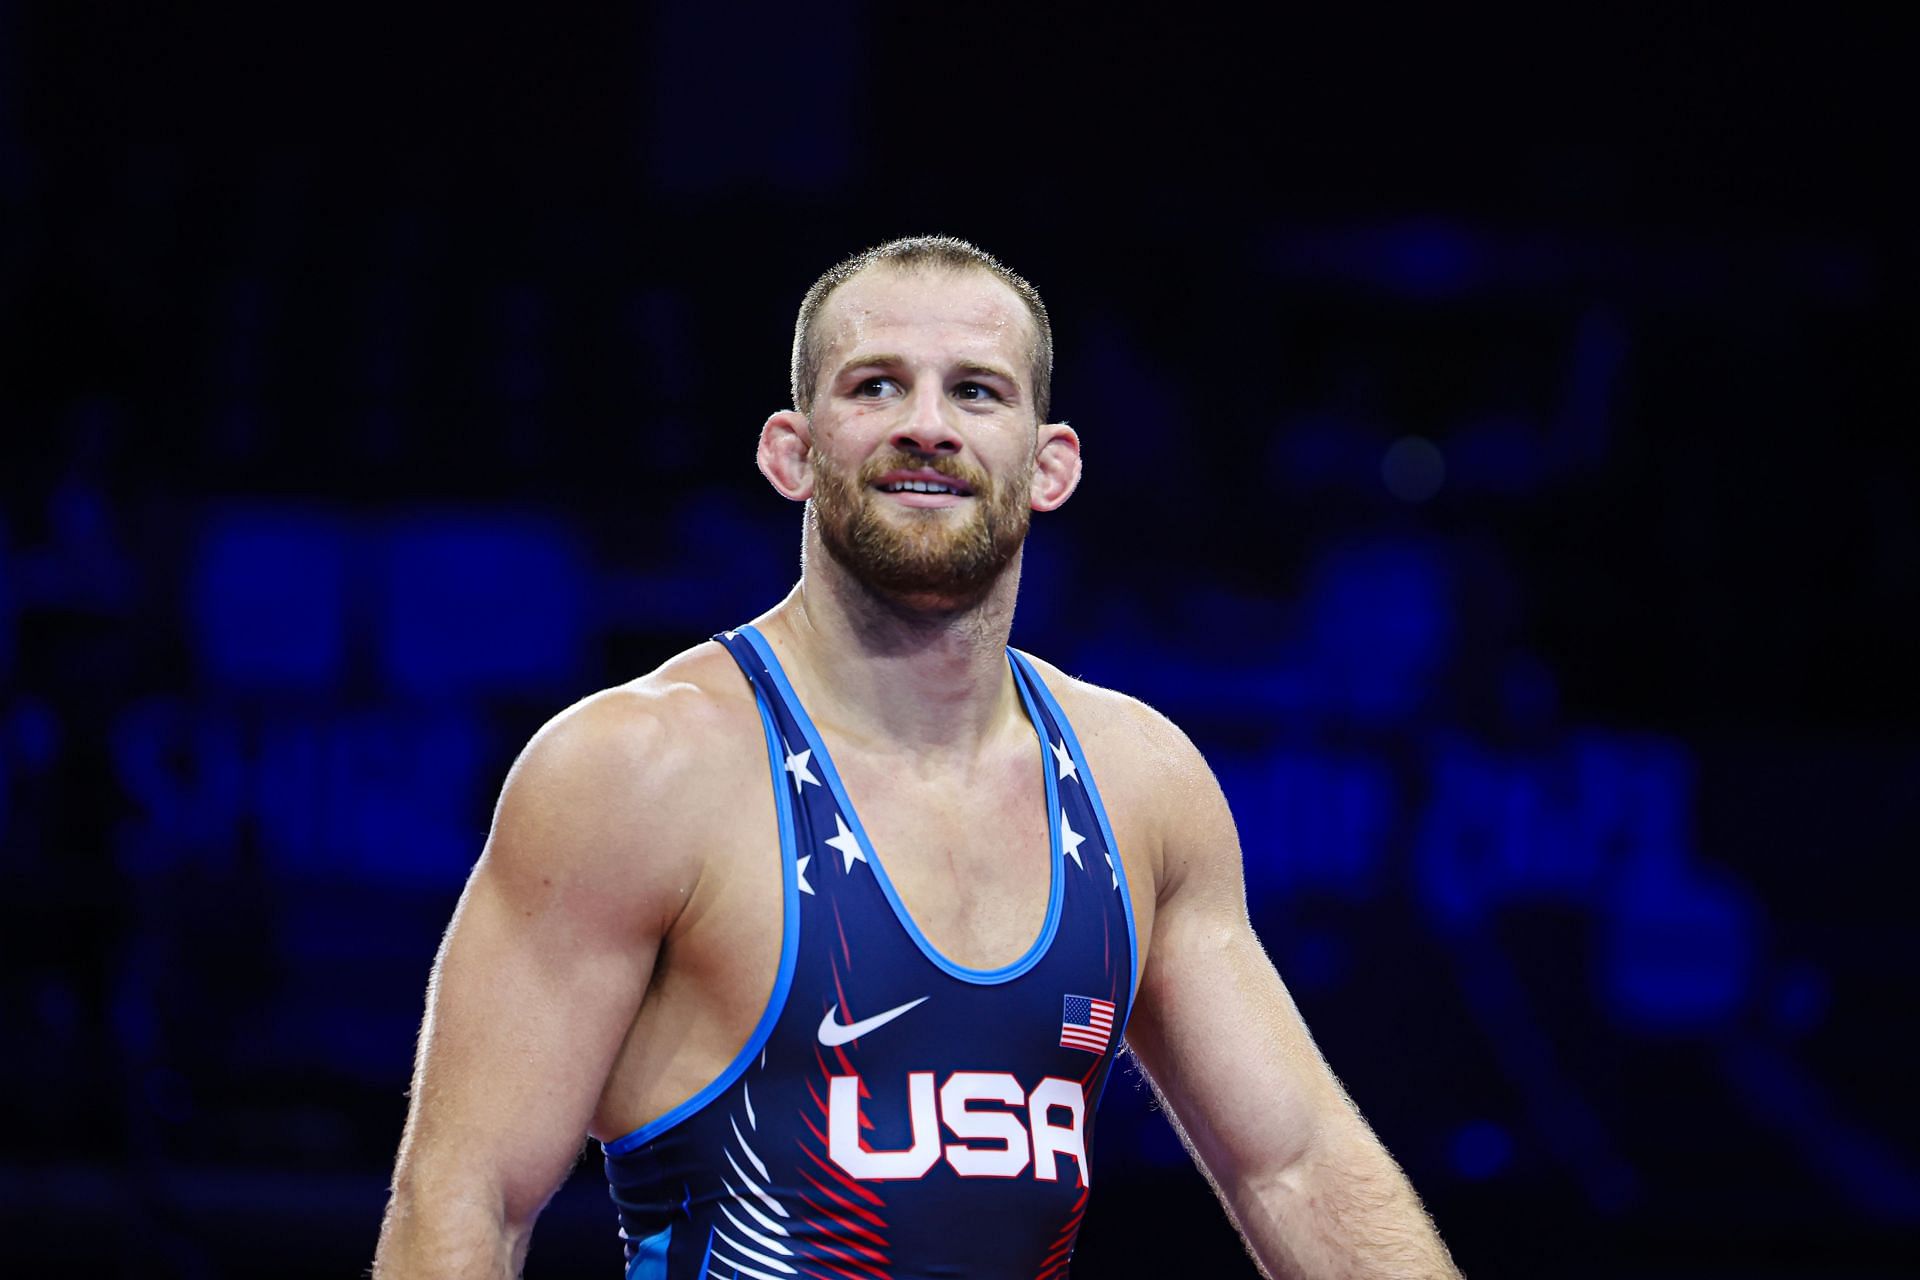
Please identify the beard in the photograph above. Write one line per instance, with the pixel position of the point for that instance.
(920, 552)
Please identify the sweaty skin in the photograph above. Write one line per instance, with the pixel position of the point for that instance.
(619, 937)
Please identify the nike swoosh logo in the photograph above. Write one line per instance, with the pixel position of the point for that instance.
(833, 1031)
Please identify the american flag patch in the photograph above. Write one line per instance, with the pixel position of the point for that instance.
(1086, 1023)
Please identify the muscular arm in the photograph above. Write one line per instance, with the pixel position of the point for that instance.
(537, 981)
(1306, 1181)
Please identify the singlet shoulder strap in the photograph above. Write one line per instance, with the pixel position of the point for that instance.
(1070, 742)
(767, 699)
(752, 664)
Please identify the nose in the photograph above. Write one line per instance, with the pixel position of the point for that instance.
(927, 427)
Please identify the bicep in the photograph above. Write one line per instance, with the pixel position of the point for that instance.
(1215, 1027)
(537, 982)
(523, 1020)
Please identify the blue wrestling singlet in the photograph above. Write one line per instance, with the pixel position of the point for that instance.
(894, 1115)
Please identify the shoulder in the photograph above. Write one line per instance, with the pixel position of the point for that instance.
(609, 791)
(1157, 786)
(661, 721)
(643, 740)
(1123, 735)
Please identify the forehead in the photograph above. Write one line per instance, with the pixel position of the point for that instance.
(926, 313)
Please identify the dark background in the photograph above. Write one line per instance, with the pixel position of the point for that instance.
(1497, 458)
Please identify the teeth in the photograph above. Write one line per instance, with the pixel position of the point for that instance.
(919, 486)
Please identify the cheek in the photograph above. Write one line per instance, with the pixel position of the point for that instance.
(1024, 487)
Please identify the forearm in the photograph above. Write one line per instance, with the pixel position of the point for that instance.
(1342, 1210)
(448, 1235)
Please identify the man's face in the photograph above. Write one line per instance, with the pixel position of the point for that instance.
(924, 431)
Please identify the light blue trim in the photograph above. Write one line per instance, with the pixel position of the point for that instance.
(706, 1259)
(789, 949)
(1056, 892)
(650, 1259)
(1100, 816)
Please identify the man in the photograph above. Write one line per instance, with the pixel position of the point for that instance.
(826, 929)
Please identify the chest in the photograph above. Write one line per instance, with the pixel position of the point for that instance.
(968, 852)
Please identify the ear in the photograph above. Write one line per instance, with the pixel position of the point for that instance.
(1056, 466)
(785, 443)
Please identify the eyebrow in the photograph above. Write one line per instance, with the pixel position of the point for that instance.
(885, 359)
(990, 370)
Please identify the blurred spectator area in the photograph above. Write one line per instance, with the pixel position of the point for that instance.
(1500, 479)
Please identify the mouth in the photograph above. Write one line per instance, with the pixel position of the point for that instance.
(923, 488)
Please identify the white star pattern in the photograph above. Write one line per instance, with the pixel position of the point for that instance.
(847, 843)
(1110, 868)
(1068, 769)
(802, 869)
(1070, 840)
(797, 766)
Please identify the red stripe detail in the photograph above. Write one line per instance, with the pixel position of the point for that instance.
(850, 1270)
(1056, 1269)
(847, 1264)
(845, 950)
(848, 1245)
(845, 1179)
(839, 1272)
(846, 1069)
(841, 992)
(1062, 1252)
(853, 1268)
(1067, 1233)
(1058, 1259)
(877, 1242)
(841, 1176)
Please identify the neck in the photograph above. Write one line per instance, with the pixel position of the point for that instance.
(924, 674)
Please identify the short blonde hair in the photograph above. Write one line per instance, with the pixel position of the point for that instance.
(918, 253)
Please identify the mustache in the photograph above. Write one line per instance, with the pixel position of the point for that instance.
(944, 464)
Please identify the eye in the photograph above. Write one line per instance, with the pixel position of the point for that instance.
(975, 391)
(874, 388)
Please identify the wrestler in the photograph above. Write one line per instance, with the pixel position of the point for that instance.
(831, 928)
